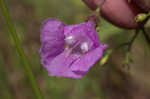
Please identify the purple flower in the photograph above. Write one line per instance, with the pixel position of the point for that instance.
(69, 51)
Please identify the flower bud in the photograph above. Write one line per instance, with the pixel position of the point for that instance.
(105, 58)
(141, 17)
(121, 13)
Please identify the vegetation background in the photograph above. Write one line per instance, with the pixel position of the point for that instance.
(112, 81)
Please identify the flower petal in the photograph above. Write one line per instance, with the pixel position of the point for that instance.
(87, 28)
(52, 38)
(84, 63)
(60, 66)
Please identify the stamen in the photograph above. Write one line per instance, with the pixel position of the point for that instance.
(70, 40)
(77, 45)
(72, 48)
(84, 47)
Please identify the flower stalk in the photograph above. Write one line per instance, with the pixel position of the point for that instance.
(20, 51)
(146, 36)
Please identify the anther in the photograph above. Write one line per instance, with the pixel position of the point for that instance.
(84, 47)
(70, 40)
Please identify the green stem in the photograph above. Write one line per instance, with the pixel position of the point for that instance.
(133, 39)
(146, 36)
(129, 43)
(20, 51)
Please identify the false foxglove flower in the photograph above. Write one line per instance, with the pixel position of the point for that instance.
(69, 51)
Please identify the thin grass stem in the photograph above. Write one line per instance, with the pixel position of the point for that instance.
(20, 51)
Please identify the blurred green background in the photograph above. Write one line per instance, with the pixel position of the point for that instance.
(112, 81)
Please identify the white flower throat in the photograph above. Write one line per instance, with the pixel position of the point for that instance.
(77, 44)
